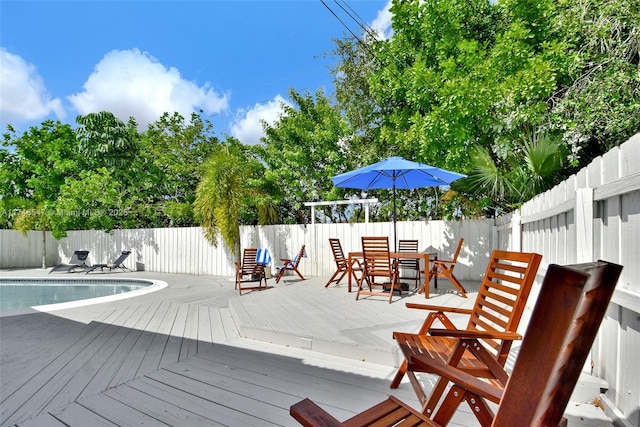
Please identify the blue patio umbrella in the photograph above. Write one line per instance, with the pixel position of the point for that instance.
(393, 173)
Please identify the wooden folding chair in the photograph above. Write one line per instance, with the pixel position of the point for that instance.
(572, 303)
(409, 264)
(493, 322)
(380, 271)
(250, 272)
(342, 263)
(291, 265)
(442, 268)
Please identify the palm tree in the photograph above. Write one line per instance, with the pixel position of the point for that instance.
(232, 183)
(532, 167)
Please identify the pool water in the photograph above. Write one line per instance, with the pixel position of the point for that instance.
(28, 292)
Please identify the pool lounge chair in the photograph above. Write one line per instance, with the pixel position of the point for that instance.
(78, 261)
(118, 263)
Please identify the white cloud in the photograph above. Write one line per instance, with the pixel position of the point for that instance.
(247, 125)
(382, 24)
(23, 96)
(133, 83)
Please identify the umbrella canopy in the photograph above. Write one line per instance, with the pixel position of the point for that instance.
(395, 172)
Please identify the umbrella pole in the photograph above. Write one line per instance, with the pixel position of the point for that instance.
(395, 229)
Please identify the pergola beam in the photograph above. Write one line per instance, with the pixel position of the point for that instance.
(365, 202)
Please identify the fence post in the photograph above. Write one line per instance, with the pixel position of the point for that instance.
(516, 232)
(584, 225)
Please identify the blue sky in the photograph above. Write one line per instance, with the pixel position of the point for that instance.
(236, 60)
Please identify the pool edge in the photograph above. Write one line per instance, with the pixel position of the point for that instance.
(156, 285)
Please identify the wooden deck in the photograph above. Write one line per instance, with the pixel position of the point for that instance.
(197, 354)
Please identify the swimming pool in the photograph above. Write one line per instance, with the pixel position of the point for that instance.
(48, 294)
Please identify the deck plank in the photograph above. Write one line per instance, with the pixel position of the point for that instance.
(171, 353)
(172, 412)
(33, 396)
(99, 361)
(117, 412)
(233, 394)
(217, 325)
(172, 395)
(142, 338)
(190, 337)
(205, 329)
(75, 414)
(161, 333)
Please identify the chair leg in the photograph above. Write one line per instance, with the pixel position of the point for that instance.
(450, 404)
(280, 274)
(448, 273)
(333, 278)
(399, 375)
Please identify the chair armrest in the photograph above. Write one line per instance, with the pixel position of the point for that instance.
(285, 260)
(439, 308)
(309, 414)
(465, 333)
(467, 381)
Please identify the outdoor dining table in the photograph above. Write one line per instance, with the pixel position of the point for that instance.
(426, 256)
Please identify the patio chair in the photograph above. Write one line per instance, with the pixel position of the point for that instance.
(380, 271)
(118, 263)
(291, 265)
(572, 303)
(409, 265)
(493, 322)
(250, 271)
(342, 263)
(444, 269)
(78, 261)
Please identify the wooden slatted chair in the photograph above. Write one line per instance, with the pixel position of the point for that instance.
(291, 265)
(380, 271)
(493, 323)
(442, 268)
(409, 265)
(250, 272)
(570, 307)
(342, 263)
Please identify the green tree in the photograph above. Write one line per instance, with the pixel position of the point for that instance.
(598, 108)
(174, 151)
(107, 140)
(31, 176)
(464, 74)
(307, 145)
(232, 184)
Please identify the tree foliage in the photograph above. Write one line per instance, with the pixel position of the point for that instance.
(232, 184)
(516, 94)
(307, 145)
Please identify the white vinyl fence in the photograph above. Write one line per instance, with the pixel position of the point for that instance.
(594, 214)
(185, 251)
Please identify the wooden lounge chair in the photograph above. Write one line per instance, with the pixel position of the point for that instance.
(409, 266)
(380, 271)
(118, 263)
(291, 265)
(572, 303)
(342, 263)
(442, 268)
(493, 322)
(78, 261)
(250, 272)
